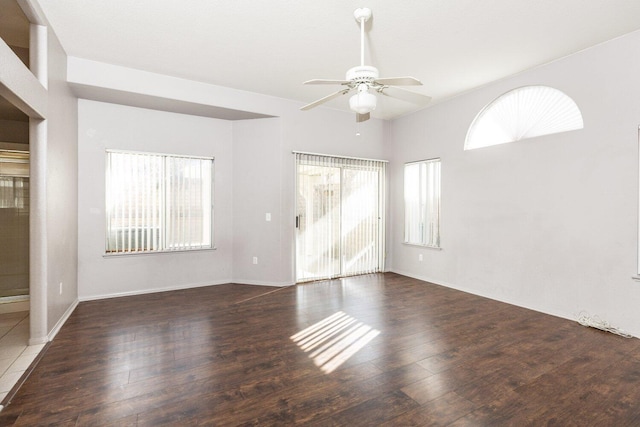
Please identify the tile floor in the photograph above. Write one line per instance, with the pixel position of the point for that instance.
(15, 352)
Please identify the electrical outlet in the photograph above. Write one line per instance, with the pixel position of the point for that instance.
(60, 288)
(267, 216)
(255, 259)
(420, 258)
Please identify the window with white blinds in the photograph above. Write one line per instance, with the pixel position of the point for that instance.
(157, 202)
(422, 203)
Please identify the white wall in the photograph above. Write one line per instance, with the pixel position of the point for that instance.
(62, 188)
(109, 126)
(257, 168)
(548, 223)
(264, 182)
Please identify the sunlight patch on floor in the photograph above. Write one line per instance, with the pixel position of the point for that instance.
(333, 340)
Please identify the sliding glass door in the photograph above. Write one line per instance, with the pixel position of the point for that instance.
(339, 221)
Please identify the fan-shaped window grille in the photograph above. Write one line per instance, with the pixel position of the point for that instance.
(523, 113)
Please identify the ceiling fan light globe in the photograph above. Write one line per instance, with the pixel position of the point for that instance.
(363, 102)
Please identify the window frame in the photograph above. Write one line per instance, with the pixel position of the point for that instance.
(425, 242)
(636, 276)
(164, 249)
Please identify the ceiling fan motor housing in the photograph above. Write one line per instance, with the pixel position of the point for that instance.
(362, 74)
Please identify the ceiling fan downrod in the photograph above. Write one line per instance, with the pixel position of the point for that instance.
(362, 76)
(362, 15)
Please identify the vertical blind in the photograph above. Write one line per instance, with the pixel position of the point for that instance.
(422, 203)
(340, 208)
(157, 202)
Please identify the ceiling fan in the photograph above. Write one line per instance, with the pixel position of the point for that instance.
(365, 81)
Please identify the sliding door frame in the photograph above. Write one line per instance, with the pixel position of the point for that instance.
(381, 208)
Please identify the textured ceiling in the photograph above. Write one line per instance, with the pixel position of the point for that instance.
(271, 47)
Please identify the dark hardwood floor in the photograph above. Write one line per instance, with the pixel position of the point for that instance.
(392, 351)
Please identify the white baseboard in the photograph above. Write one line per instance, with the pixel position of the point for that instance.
(430, 280)
(470, 291)
(152, 291)
(14, 304)
(62, 320)
(483, 294)
(262, 283)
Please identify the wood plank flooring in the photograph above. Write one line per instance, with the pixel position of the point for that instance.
(392, 351)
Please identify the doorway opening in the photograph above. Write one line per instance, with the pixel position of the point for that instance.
(339, 216)
(14, 224)
(14, 136)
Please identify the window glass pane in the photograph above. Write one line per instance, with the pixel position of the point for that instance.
(412, 209)
(422, 203)
(360, 190)
(188, 206)
(432, 203)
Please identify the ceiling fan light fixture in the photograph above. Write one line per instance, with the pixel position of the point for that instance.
(363, 102)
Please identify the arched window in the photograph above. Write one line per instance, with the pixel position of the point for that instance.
(523, 113)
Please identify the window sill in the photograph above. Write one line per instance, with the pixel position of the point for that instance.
(636, 277)
(128, 254)
(436, 248)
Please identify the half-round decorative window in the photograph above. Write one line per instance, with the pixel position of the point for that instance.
(523, 113)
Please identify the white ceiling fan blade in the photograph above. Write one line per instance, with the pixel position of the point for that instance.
(362, 117)
(399, 81)
(325, 99)
(405, 95)
(326, 82)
